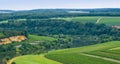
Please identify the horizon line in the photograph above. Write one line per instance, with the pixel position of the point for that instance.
(60, 8)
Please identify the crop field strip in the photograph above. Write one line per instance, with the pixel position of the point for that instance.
(114, 54)
(104, 58)
(75, 55)
(76, 58)
(111, 21)
(33, 38)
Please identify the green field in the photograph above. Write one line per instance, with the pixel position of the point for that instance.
(33, 38)
(1, 35)
(115, 54)
(77, 58)
(111, 21)
(34, 59)
(6, 21)
(74, 55)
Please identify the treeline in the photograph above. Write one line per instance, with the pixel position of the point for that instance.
(55, 27)
(9, 33)
(50, 13)
(38, 15)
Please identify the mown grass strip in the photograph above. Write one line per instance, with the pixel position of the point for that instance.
(34, 59)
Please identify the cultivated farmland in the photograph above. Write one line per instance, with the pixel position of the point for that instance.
(111, 21)
(80, 19)
(34, 59)
(77, 55)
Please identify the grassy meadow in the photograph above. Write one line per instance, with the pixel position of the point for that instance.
(34, 59)
(32, 38)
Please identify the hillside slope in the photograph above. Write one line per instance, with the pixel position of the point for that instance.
(33, 59)
(84, 54)
(76, 55)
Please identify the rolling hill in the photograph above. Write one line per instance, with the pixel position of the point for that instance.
(80, 55)
(60, 29)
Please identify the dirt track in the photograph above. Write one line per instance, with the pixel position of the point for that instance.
(104, 58)
(10, 61)
(99, 20)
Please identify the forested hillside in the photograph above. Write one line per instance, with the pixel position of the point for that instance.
(67, 34)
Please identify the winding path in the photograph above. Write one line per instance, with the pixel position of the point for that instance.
(10, 61)
(99, 20)
(104, 58)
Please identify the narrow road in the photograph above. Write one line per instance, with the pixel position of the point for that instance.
(104, 58)
(99, 20)
(10, 61)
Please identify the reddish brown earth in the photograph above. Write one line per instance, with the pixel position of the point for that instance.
(118, 27)
(12, 39)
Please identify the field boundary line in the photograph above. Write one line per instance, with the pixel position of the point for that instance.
(99, 20)
(11, 60)
(104, 58)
